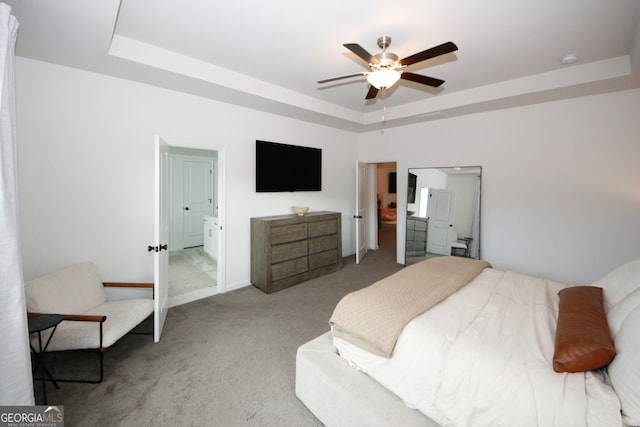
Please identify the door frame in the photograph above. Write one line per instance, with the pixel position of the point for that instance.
(220, 187)
(371, 219)
(361, 216)
(372, 205)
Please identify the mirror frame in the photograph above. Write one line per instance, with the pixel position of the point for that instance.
(473, 201)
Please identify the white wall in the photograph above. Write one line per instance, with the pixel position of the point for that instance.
(560, 193)
(86, 163)
(560, 181)
(425, 178)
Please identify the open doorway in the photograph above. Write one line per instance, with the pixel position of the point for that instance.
(386, 192)
(194, 224)
(376, 189)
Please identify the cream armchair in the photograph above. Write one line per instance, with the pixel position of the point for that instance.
(459, 243)
(90, 320)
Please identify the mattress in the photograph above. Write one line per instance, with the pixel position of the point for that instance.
(340, 396)
(483, 357)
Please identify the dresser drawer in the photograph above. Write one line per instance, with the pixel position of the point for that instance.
(287, 251)
(289, 268)
(322, 228)
(291, 249)
(321, 244)
(323, 259)
(288, 233)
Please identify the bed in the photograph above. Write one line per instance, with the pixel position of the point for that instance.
(491, 348)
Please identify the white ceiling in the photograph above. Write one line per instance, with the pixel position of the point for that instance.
(268, 55)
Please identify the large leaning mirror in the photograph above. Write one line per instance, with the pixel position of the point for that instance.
(443, 213)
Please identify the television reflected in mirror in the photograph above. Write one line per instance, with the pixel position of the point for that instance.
(443, 213)
(411, 191)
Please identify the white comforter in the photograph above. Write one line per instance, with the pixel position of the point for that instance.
(483, 357)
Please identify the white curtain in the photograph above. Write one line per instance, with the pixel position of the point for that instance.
(16, 385)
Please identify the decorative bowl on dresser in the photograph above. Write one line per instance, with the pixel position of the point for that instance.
(290, 249)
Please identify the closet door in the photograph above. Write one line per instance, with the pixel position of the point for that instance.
(440, 210)
(197, 200)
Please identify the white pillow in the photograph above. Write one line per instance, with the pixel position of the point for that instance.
(624, 370)
(620, 311)
(620, 282)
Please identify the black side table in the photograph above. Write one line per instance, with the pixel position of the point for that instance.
(38, 324)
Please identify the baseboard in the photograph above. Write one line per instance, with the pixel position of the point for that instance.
(192, 296)
(235, 287)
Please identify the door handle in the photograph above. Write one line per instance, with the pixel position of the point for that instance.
(187, 208)
(357, 216)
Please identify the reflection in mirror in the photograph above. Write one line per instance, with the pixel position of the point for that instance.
(443, 213)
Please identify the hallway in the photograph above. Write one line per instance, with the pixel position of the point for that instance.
(387, 240)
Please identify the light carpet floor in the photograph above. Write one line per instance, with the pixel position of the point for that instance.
(226, 360)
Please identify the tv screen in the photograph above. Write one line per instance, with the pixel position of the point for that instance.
(283, 167)
(411, 192)
(392, 182)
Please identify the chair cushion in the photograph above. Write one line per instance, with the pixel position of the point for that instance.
(122, 316)
(72, 290)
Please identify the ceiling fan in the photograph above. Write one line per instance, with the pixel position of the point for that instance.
(386, 69)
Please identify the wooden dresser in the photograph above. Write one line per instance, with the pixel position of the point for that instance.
(290, 249)
(416, 236)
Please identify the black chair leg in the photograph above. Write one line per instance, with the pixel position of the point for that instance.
(84, 381)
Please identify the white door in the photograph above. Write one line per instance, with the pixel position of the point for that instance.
(361, 206)
(198, 200)
(440, 210)
(161, 256)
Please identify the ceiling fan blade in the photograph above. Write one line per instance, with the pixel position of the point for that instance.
(373, 92)
(362, 73)
(442, 49)
(361, 52)
(418, 78)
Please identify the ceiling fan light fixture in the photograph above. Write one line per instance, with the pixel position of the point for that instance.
(384, 78)
(385, 69)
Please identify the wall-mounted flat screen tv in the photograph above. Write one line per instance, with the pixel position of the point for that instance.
(284, 167)
(411, 188)
(392, 183)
